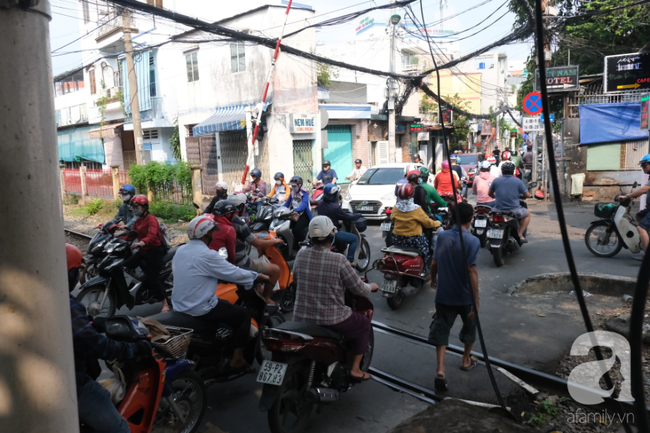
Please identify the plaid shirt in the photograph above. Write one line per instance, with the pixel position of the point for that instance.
(89, 344)
(322, 277)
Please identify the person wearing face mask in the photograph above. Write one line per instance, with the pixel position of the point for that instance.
(221, 194)
(197, 271)
(358, 171)
(150, 248)
(125, 212)
(280, 189)
(298, 202)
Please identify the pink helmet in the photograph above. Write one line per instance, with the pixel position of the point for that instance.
(445, 165)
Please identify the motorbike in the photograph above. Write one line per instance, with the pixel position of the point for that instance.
(96, 252)
(163, 393)
(264, 217)
(481, 223)
(309, 366)
(387, 226)
(285, 295)
(615, 229)
(116, 286)
(362, 253)
(211, 344)
(281, 225)
(317, 195)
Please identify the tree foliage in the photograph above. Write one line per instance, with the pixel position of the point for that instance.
(163, 179)
(325, 74)
(461, 129)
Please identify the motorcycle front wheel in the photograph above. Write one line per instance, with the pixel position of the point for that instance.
(91, 298)
(286, 298)
(364, 256)
(292, 407)
(601, 243)
(190, 396)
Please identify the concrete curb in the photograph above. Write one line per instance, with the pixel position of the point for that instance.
(596, 283)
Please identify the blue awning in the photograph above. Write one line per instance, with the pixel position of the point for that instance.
(608, 123)
(231, 118)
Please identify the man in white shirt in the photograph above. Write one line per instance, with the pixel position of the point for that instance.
(197, 271)
(358, 170)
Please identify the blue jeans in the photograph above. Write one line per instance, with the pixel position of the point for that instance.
(349, 239)
(97, 411)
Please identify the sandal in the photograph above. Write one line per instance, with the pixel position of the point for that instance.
(355, 379)
(473, 363)
(440, 383)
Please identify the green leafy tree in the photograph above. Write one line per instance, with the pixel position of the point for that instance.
(175, 141)
(461, 129)
(325, 74)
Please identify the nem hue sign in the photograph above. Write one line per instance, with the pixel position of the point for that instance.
(559, 79)
(627, 72)
(303, 123)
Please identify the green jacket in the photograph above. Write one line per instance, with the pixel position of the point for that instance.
(432, 195)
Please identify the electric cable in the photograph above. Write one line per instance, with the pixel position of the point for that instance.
(639, 398)
(83, 36)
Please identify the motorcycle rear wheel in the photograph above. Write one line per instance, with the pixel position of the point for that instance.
(396, 300)
(498, 254)
(263, 354)
(92, 296)
(286, 298)
(594, 233)
(292, 407)
(190, 394)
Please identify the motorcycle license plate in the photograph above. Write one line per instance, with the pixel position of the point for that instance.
(364, 208)
(480, 223)
(385, 227)
(272, 373)
(495, 234)
(389, 286)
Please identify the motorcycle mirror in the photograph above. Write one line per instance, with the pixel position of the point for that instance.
(635, 184)
(195, 205)
(532, 185)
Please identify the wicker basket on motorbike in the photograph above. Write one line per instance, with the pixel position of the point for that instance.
(361, 224)
(178, 342)
(605, 210)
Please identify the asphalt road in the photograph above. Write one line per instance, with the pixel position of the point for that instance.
(511, 332)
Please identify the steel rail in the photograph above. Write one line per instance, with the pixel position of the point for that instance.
(79, 234)
(397, 383)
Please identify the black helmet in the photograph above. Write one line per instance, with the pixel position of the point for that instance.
(297, 180)
(507, 168)
(326, 163)
(256, 173)
(224, 207)
(278, 175)
(358, 161)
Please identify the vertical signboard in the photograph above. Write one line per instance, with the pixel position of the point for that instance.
(645, 103)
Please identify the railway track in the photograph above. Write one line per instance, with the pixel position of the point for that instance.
(78, 234)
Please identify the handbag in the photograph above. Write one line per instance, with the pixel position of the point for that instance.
(295, 216)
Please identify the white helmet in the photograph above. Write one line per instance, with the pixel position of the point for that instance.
(200, 226)
(321, 227)
(485, 165)
(237, 198)
(223, 185)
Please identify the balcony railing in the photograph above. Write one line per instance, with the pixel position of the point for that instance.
(112, 23)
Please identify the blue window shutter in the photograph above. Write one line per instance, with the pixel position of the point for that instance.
(141, 61)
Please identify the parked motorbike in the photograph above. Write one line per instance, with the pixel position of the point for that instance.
(116, 286)
(211, 344)
(264, 217)
(481, 223)
(309, 366)
(96, 252)
(615, 230)
(503, 234)
(163, 393)
(285, 296)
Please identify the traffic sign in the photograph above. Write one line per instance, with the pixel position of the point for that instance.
(533, 103)
(531, 124)
(541, 118)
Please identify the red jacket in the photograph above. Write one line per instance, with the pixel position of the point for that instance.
(148, 231)
(226, 237)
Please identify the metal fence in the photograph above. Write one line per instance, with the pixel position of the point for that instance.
(99, 183)
(72, 181)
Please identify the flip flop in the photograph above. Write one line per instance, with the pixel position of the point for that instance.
(355, 379)
(471, 365)
(440, 383)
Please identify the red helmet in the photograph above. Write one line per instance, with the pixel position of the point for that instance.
(405, 191)
(505, 156)
(140, 199)
(413, 175)
(73, 256)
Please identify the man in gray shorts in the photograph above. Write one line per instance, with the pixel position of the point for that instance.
(506, 191)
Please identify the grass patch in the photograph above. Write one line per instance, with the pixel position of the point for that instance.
(171, 212)
(96, 206)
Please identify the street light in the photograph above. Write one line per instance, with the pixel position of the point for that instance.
(395, 19)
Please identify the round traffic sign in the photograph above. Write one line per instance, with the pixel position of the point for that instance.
(533, 103)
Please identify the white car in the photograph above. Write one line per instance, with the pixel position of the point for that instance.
(375, 190)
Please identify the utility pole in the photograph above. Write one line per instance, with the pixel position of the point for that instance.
(37, 382)
(391, 90)
(133, 85)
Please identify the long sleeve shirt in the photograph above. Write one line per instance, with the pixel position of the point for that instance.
(299, 202)
(124, 214)
(411, 223)
(322, 278)
(433, 196)
(357, 172)
(334, 212)
(226, 238)
(89, 344)
(258, 189)
(148, 231)
(277, 190)
(197, 271)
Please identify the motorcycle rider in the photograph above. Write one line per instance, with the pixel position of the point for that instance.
(246, 236)
(197, 271)
(331, 208)
(420, 195)
(326, 175)
(226, 236)
(506, 157)
(220, 194)
(125, 212)
(443, 184)
(151, 250)
(506, 190)
(96, 410)
(280, 189)
(410, 220)
(496, 152)
(298, 202)
(257, 188)
(460, 171)
(494, 168)
(322, 278)
(481, 186)
(528, 156)
(644, 215)
(357, 171)
(432, 195)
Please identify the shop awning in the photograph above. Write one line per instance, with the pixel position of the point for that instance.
(106, 131)
(608, 123)
(231, 118)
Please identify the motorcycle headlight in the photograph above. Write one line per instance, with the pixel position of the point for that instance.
(348, 196)
(387, 197)
(98, 247)
(111, 247)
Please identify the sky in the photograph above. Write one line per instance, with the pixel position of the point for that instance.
(64, 27)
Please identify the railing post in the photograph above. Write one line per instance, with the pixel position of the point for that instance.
(197, 190)
(84, 189)
(62, 180)
(115, 172)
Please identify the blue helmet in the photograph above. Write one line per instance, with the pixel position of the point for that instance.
(127, 189)
(645, 159)
(331, 192)
(453, 157)
(256, 173)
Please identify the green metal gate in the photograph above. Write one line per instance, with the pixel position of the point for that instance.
(303, 162)
(339, 149)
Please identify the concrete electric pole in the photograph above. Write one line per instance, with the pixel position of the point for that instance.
(391, 92)
(133, 86)
(37, 382)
